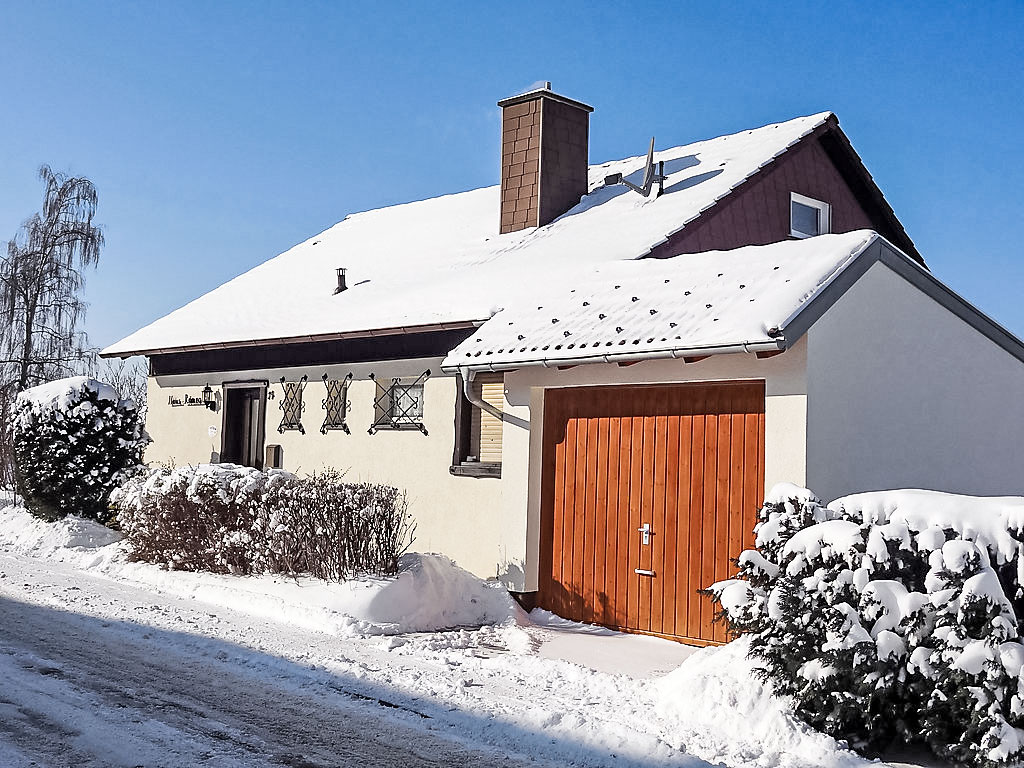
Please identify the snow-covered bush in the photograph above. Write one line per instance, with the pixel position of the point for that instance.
(230, 519)
(890, 615)
(73, 441)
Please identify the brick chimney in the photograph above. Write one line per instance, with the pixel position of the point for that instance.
(544, 160)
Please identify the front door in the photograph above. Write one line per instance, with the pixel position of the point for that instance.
(244, 409)
(648, 493)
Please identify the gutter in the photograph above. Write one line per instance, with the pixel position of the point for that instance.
(777, 345)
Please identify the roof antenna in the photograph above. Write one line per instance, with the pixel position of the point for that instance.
(650, 176)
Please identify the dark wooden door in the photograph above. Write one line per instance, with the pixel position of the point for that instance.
(685, 463)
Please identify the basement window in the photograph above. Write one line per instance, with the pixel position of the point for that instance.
(808, 217)
(478, 432)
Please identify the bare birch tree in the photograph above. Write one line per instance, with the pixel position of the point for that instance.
(40, 284)
(127, 376)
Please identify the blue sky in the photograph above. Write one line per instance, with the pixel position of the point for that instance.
(220, 134)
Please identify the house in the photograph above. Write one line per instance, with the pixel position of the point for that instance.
(585, 390)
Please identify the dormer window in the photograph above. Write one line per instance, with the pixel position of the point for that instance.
(808, 217)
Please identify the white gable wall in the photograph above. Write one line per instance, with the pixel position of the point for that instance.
(904, 394)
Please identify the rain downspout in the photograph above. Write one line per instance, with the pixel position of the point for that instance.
(467, 390)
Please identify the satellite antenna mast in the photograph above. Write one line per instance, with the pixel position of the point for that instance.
(650, 176)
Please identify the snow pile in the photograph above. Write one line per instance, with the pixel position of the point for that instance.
(74, 441)
(891, 615)
(718, 700)
(23, 533)
(428, 593)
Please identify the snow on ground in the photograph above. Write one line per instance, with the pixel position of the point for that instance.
(535, 687)
(429, 593)
(602, 649)
(732, 701)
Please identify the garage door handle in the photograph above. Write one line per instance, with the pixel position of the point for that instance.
(642, 572)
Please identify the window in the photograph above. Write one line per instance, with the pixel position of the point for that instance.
(479, 431)
(808, 217)
(405, 403)
(335, 404)
(292, 406)
(399, 404)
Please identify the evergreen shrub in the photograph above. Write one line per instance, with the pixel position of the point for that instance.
(890, 616)
(225, 518)
(74, 440)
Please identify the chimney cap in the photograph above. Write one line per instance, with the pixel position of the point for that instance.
(542, 90)
(342, 286)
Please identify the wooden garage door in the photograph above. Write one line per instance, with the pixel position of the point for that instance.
(687, 461)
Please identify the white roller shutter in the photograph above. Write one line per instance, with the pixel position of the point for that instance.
(485, 432)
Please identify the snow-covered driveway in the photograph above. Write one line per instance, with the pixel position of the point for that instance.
(99, 673)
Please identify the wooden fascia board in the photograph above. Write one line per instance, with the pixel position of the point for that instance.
(848, 164)
(851, 167)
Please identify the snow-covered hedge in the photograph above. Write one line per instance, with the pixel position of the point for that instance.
(73, 440)
(891, 615)
(230, 519)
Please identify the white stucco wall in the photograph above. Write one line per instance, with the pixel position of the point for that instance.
(785, 415)
(462, 517)
(489, 526)
(902, 393)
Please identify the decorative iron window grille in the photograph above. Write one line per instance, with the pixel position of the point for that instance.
(399, 405)
(336, 404)
(291, 405)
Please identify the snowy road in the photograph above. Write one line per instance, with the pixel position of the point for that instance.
(115, 671)
(70, 680)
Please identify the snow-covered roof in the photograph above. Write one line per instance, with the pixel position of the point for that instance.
(693, 304)
(759, 298)
(441, 261)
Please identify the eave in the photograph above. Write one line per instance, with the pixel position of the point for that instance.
(398, 330)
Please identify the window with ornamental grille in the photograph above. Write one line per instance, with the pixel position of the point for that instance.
(292, 406)
(335, 404)
(399, 404)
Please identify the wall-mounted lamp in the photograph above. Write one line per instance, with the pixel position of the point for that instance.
(208, 399)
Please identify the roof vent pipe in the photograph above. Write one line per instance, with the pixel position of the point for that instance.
(341, 281)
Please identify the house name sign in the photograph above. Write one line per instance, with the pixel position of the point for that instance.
(184, 400)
